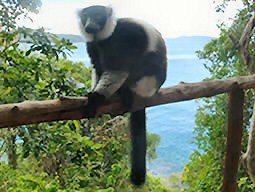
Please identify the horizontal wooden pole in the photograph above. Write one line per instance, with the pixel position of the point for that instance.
(69, 108)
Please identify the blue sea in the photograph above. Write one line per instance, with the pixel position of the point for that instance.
(173, 122)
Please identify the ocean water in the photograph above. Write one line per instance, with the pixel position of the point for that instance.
(173, 122)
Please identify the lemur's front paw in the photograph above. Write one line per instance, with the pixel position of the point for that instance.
(94, 101)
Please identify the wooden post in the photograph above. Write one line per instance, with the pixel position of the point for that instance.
(234, 138)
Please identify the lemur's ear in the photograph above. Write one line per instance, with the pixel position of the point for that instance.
(109, 11)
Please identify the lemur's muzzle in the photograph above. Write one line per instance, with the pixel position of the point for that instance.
(91, 27)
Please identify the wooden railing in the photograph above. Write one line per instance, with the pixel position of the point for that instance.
(69, 108)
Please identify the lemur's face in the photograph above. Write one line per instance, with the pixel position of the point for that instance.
(94, 18)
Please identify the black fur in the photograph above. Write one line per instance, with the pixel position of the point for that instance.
(126, 50)
(137, 124)
(127, 44)
(138, 155)
(94, 101)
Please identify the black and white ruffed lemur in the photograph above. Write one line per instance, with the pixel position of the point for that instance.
(129, 58)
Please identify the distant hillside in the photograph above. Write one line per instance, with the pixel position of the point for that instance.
(73, 38)
(180, 45)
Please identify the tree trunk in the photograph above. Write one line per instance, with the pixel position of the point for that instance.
(249, 60)
(12, 152)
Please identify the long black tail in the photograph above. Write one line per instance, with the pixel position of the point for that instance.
(138, 137)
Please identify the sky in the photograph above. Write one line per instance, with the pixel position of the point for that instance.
(173, 18)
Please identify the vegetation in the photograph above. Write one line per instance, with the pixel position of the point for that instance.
(223, 60)
(88, 155)
(92, 155)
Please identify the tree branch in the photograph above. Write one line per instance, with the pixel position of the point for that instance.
(69, 108)
(249, 60)
(244, 42)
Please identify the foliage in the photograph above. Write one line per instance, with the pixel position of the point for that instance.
(205, 170)
(26, 178)
(13, 10)
(152, 142)
(224, 4)
(174, 182)
(88, 155)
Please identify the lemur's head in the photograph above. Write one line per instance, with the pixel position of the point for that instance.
(97, 22)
